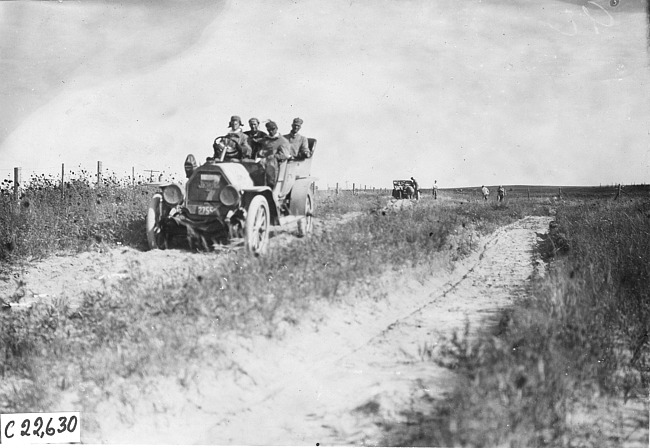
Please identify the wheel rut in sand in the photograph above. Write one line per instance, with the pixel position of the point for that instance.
(338, 379)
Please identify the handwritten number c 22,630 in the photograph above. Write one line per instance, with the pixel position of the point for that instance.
(65, 424)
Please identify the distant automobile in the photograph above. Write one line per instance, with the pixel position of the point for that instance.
(405, 189)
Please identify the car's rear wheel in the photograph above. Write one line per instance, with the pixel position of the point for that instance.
(155, 238)
(256, 228)
(306, 224)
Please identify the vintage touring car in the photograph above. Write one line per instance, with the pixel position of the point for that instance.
(405, 189)
(228, 202)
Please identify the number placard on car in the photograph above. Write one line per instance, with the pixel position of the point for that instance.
(40, 428)
(209, 181)
(206, 210)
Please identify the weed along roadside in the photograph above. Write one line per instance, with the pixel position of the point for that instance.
(197, 337)
(569, 364)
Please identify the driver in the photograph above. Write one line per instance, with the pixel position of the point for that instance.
(236, 142)
(274, 149)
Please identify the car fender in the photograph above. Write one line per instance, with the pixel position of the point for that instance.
(301, 188)
(249, 193)
(162, 185)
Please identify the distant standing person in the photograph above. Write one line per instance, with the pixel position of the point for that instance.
(485, 191)
(435, 189)
(255, 136)
(299, 144)
(416, 188)
(501, 193)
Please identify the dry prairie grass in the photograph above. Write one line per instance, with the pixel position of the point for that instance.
(145, 327)
(579, 340)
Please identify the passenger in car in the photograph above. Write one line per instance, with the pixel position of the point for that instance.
(255, 136)
(274, 150)
(237, 146)
(299, 144)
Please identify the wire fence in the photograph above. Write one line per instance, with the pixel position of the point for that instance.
(20, 177)
(14, 179)
(23, 175)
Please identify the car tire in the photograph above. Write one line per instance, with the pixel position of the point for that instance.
(256, 228)
(154, 236)
(306, 224)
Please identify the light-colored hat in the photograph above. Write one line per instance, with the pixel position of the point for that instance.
(297, 121)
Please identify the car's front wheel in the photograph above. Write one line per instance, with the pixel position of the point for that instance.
(155, 238)
(256, 228)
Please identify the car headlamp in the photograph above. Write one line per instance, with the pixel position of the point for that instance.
(190, 165)
(172, 194)
(229, 196)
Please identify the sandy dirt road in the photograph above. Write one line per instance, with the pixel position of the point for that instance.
(343, 372)
(69, 276)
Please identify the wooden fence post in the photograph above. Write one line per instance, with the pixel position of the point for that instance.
(63, 181)
(99, 172)
(337, 188)
(17, 181)
(352, 188)
(133, 176)
(528, 191)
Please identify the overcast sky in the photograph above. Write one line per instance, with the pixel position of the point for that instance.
(466, 92)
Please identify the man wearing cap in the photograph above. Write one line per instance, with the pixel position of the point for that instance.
(274, 150)
(486, 192)
(255, 136)
(416, 188)
(299, 144)
(237, 146)
(501, 193)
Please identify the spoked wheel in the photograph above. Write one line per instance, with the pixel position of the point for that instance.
(155, 237)
(306, 224)
(256, 229)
